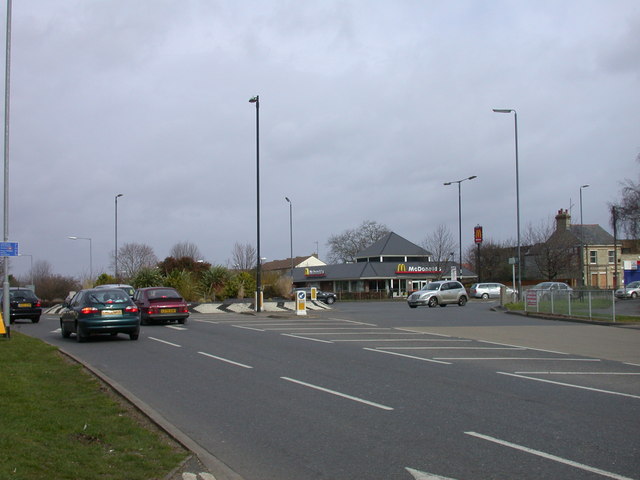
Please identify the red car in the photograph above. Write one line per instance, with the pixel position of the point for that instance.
(161, 304)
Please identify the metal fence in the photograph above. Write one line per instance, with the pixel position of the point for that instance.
(591, 304)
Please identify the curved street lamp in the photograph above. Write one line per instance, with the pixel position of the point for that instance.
(515, 119)
(90, 255)
(460, 214)
(256, 100)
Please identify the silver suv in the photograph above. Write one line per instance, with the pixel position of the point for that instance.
(440, 293)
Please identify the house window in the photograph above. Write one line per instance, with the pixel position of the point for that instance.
(593, 256)
(612, 256)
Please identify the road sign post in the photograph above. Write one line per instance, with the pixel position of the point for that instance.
(301, 302)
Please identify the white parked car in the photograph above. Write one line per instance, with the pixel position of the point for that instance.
(629, 291)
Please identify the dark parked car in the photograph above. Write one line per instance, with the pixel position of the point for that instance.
(100, 311)
(326, 297)
(161, 304)
(23, 303)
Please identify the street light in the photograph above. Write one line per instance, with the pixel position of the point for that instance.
(582, 247)
(460, 214)
(90, 255)
(256, 100)
(290, 232)
(515, 119)
(30, 258)
(116, 254)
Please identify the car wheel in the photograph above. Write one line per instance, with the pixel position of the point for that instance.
(433, 301)
(134, 336)
(413, 306)
(182, 321)
(443, 304)
(35, 319)
(80, 337)
(485, 296)
(331, 300)
(462, 301)
(634, 295)
(63, 330)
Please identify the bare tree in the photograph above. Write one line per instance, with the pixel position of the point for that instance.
(244, 256)
(344, 247)
(133, 257)
(627, 211)
(554, 252)
(440, 243)
(186, 249)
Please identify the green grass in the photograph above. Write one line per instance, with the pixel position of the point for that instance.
(577, 311)
(59, 422)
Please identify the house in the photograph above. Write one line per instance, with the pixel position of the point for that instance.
(283, 267)
(583, 254)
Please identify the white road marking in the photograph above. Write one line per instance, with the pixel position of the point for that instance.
(403, 340)
(357, 330)
(520, 346)
(570, 385)
(407, 356)
(353, 321)
(522, 358)
(423, 333)
(175, 327)
(418, 475)
(248, 328)
(548, 456)
(226, 360)
(577, 373)
(455, 348)
(305, 338)
(203, 321)
(164, 341)
(632, 364)
(333, 392)
(57, 330)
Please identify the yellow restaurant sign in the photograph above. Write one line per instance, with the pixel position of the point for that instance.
(419, 269)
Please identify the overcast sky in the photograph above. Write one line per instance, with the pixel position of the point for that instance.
(366, 109)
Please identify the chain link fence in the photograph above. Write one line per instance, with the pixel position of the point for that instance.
(591, 304)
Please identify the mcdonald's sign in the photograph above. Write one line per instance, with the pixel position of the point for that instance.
(477, 234)
(311, 272)
(403, 269)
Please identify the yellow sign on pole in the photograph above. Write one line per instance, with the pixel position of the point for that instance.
(3, 330)
(301, 302)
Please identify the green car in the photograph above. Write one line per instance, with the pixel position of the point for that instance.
(100, 311)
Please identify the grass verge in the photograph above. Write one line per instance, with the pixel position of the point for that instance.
(58, 421)
(576, 313)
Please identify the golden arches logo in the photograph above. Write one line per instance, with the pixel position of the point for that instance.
(306, 272)
(401, 267)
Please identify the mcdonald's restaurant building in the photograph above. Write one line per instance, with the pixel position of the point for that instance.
(392, 266)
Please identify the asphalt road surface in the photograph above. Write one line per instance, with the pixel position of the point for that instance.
(380, 391)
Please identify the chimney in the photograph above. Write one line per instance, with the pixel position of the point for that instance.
(563, 220)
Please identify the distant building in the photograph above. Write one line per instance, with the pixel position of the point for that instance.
(284, 266)
(391, 266)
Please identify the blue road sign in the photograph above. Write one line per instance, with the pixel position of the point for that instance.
(8, 249)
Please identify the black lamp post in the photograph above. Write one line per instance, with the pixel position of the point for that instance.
(460, 214)
(256, 100)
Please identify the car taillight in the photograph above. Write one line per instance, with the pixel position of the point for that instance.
(38, 304)
(131, 309)
(185, 310)
(88, 310)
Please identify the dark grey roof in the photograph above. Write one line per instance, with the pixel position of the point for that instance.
(392, 244)
(591, 234)
(368, 271)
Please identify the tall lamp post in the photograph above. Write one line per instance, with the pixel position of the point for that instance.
(290, 232)
(256, 100)
(515, 119)
(460, 214)
(116, 229)
(6, 304)
(583, 249)
(90, 255)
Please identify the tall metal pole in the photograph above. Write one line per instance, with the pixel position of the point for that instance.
(459, 182)
(6, 305)
(515, 119)
(116, 231)
(256, 100)
(290, 232)
(582, 247)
